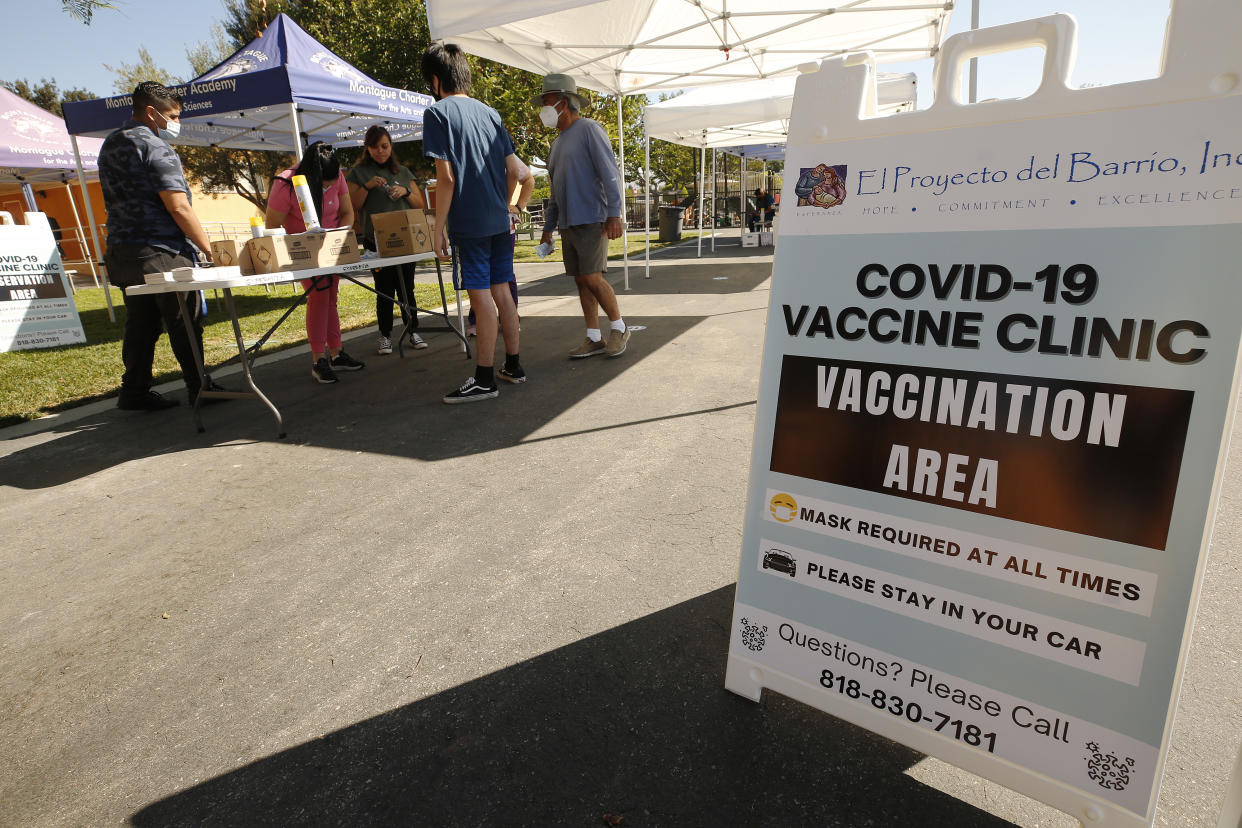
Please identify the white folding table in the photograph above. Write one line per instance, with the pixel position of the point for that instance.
(246, 355)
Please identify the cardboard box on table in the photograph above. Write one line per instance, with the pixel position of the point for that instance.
(299, 251)
(750, 240)
(403, 232)
(232, 253)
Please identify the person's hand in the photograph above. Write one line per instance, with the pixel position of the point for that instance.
(440, 243)
(396, 192)
(377, 181)
(207, 255)
(546, 238)
(612, 227)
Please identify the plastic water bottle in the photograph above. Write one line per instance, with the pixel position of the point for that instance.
(309, 216)
(256, 227)
(543, 250)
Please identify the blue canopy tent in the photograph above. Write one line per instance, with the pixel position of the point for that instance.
(281, 91)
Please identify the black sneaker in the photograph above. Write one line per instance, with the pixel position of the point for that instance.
(344, 362)
(146, 401)
(471, 391)
(514, 375)
(322, 371)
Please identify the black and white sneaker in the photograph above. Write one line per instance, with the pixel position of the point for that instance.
(514, 375)
(344, 362)
(322, 371)
(471, 391)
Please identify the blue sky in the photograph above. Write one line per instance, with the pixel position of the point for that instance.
(1119, 40)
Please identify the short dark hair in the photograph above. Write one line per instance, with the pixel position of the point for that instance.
(447, 62)
(150, 93)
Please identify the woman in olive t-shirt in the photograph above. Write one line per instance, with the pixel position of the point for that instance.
(378, 184)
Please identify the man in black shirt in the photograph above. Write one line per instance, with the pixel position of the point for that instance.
(151, 226)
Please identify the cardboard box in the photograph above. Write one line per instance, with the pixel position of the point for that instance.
(232, 253)
(402, 233)
(301, 251)
(750, 240)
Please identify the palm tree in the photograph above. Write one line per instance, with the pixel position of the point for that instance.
(84, 10)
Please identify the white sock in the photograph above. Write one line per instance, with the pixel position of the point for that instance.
(594, 335)
(618, 325)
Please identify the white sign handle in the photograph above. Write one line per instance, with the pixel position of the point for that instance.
(1055, 34)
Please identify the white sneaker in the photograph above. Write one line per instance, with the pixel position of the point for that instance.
(385, 346)
(417, 342)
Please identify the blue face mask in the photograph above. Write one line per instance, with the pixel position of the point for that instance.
(170, 130)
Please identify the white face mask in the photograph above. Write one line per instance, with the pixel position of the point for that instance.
(170, 130)
(549, 116)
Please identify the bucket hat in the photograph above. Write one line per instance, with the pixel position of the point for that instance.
(565, 84)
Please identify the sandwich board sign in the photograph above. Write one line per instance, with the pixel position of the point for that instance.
(36, 305)
(1000, 365)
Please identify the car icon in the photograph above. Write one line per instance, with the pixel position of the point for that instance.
(780, 561)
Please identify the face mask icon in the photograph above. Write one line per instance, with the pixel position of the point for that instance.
(783, 507)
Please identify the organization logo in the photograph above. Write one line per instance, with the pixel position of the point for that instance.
(783, 507)
(753, 635)
(30, 126)
(821, 186)
(336, 67)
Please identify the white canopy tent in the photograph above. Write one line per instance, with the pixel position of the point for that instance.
(738, 116)
(631, 47)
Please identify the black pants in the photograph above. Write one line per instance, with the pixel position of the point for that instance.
(146, 317)
(386, 283)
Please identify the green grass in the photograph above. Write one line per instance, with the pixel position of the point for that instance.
(525, 250)
(38, 382)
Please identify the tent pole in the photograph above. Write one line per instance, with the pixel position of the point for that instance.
(625, 224)
(28, 194)
(741, 202)
(90, 221)
(702, 184)
(713, 199)
(647, 194)
(297, 131)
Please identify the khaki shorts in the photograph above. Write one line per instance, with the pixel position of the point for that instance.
(584, 247)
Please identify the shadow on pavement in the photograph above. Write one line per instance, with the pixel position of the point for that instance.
(633, 722)
(392, 407)
(677, 277)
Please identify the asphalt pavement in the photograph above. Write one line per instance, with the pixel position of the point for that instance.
(515, 612)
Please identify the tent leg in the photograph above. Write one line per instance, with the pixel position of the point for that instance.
(713, 200)
(702, 184)
(625, 223)
(297, 131)
(647, 198)
(90, 220)
(741, 202)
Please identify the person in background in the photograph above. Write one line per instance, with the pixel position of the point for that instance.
(379, 184)
(327, 185)
(520, 189)
(586, 206)
(152, 228)
(765, 210)
(474, 165)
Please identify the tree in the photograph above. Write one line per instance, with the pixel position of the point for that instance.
(84, 10)
(46, 94)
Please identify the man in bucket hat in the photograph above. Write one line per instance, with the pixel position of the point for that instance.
(586, 206)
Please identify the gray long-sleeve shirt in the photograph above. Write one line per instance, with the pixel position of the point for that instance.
(586, 185)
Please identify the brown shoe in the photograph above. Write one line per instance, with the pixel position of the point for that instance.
(587, 349)
(616, 343)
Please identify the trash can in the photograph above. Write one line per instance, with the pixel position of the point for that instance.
(670, 223)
